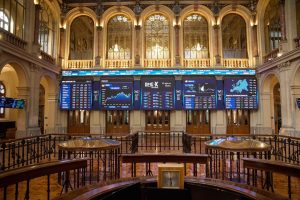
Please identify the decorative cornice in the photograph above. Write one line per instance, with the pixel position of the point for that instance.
(272, 64)
(23, 55)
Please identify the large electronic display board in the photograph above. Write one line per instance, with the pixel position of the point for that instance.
(116, 94)
(241, 93)
(158, 93)
(76, 95)
(199, 93)
(6, 102)
(65, 95)
(158, 72)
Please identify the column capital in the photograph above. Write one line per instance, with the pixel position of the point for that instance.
(284, 66)
(216, 26)
(177, 26)
(99, 28)
(137, 27)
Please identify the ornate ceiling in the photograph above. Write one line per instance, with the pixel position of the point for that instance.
(214, 5)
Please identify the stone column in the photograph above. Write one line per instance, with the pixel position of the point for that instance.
(177, 53)
(99, 49)
(33, 103)
(62, 47)
(38, 9)
(22, 120)
(282, 20)
(138, 46)
(254, 44)
(285, 98)
(36, 46)
(216, 44)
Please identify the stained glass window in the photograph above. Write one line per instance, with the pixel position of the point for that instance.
(119, 34)
(234, 37)
(195, 30)
(157, 38)
(46, 32)
(272, 26)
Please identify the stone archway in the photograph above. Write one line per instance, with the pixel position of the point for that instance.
(15, 78)
(296, 94)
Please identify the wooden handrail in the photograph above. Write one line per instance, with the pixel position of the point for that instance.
(95, 191)
(272, 166)
(165, 157)
(31, 172)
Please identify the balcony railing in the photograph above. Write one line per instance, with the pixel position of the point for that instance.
(270, 56)
(196, 63)
(118, 63)
(11, 38)
(47, 57)
(157, 63)
(80, 64)
(235, 63)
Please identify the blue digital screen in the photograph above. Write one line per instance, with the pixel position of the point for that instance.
(159, 72)
(199, 93)
(220, 95)
(241, 93)
(298, 102)
(65, 95)
(81, 95)
(96, 95)
(158, 93)
(137, 94)
(178, 94)
(116, 94)
(76, 95)
(12, 103)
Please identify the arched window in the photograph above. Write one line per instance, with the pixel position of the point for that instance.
(157, 37)
(12, 16)
(2, 94)
(195, 34)
(46, 32)
(82, 38)
(4, 22)
(234, 37)
(119, 34)
(272, 26)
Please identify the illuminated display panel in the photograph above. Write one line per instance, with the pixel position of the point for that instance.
(241, 93)
(158, 93)
(12, 103)
(157, 72)
(199, 93)
(116, 94)
(76, 95)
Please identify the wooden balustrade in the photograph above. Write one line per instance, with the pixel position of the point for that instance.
(270, 56)
(149, 158)
(118, 64)
(47, 57)
(14, 177)
(157, 63)
(12, 39)
(235, 63)
(196, 63)
(270, 166)
(80, 64)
